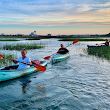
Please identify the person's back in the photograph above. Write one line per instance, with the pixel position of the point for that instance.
(106, 43)
(62, 50)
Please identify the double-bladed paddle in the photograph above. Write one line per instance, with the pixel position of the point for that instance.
(102, 43)
(46, 58)
(38, 67)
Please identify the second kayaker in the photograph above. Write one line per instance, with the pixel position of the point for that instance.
(62, 50)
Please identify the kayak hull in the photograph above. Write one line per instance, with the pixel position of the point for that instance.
(97, 46)
(12, 74)
(59, 57)
(93, 46)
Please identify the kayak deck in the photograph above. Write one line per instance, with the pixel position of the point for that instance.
(59, 57)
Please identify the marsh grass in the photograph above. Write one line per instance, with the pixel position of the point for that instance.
(6, 62)
(103, 52)
(80, 39)
(20, 46)
(9, 40)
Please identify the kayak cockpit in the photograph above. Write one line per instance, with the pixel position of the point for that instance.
(16, 66)
(8, 67)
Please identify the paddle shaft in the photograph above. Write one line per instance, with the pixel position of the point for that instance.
(66, 46)
(16, 61)
(103, 43)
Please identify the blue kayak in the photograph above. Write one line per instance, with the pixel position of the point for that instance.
(6, 74)
(59, 57)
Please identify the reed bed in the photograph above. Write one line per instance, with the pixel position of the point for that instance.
(103, 52)
(9, 40)
(81, 39)
(20, 46)
(6, 62)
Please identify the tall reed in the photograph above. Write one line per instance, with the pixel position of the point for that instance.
(6, 62)
(20, 46)
(103, 52)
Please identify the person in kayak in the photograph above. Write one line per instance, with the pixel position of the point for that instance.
(106, 43)
(62, 50)
(24, 61)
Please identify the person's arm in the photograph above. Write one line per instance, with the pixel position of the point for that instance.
(59, 51)
(103, 43)
(66, 50)
(14, 61)
(107, 43)
(29, 63)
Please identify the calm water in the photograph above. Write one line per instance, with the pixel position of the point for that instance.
(81, 82)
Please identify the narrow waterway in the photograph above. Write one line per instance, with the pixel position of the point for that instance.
(82, 82)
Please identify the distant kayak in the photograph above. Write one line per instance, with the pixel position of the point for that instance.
(93, 46)
(97, 46)
(6, 74)
(59, 57)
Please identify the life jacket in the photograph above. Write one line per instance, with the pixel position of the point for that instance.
(36, 62)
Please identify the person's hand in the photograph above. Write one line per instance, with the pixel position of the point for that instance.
(12, 59)
(23, 62)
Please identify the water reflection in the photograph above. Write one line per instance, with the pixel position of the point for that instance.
(35, 89)
(25, 85)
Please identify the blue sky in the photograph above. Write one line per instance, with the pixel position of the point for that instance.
(55, 17)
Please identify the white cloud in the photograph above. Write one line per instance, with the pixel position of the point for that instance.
(64, 12)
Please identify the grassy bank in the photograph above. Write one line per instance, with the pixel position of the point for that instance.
(81, 39)
(5, 62)
(9, 40)
(20, 46)
(103, 52)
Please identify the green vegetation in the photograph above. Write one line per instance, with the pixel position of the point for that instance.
(20, 46)
(9, 40)
(80, 39)
(103, 52)
(5, 62)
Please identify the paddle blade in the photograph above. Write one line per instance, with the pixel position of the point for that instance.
(1, 57)
(96, 44)
(75, 41)
(40, 68)
(47, 57)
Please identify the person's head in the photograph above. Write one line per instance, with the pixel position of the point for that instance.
(106, 40)
(23, 52)
(62, 46)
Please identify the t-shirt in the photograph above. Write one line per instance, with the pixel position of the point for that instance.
(21, 65)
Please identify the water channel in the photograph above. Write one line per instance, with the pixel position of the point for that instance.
(82, 82)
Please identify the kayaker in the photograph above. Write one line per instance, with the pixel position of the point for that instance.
(62, 50)
(23, 59)
(106, 43)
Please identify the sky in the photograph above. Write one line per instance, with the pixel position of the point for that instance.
(55, 17)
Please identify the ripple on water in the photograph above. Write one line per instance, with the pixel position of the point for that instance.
(81, 82)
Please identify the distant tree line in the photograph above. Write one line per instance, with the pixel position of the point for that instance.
(47, 36)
